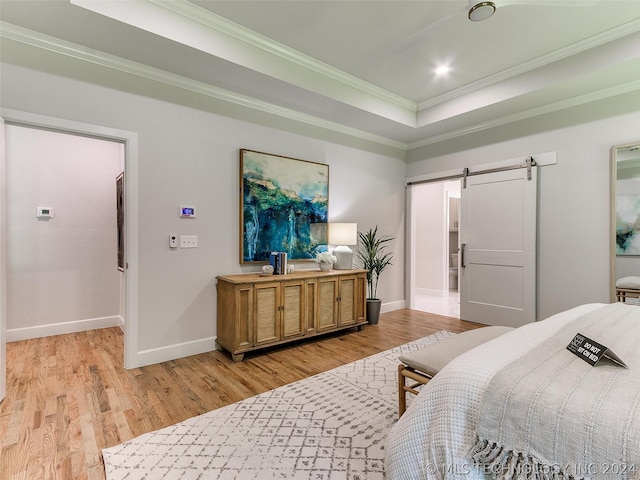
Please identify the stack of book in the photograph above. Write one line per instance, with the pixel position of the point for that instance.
(278, 260)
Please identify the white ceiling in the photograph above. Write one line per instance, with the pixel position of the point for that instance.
(363, 67)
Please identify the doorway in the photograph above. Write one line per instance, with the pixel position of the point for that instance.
(129, 290)
(62, 274)
(436, 227)
(497, 238)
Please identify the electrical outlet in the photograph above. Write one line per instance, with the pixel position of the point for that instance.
(173, 241)
(188, 241)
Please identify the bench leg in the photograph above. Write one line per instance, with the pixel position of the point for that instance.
(402, 394)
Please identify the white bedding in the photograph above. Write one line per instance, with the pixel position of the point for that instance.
(433, 438)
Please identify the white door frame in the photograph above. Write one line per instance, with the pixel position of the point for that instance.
(3, 263)
(130, 141)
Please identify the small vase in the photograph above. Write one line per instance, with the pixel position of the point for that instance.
(326, 267)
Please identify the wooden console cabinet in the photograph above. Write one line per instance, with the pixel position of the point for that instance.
(257, 311)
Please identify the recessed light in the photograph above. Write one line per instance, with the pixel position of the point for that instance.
(481, 11)
(442, 70)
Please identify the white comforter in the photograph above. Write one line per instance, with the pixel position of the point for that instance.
(433, 438)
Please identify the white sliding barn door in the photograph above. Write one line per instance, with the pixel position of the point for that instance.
(498, 248)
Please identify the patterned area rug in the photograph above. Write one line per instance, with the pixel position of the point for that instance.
(330, 426)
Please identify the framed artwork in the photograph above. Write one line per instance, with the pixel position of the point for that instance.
(627, 224)
(120, 219)
(284, 204)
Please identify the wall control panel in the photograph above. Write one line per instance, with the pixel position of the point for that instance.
(45, 212)
(187, 211)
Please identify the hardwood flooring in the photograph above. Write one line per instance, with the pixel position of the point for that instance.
(68, 396)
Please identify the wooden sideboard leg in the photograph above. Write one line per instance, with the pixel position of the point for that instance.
(237, 357)
(360, 327)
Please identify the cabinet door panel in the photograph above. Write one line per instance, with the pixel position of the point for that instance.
(267, 315)
(311, 306)
(347, 301)
(293, 313)
(243, 333)
(327, 304)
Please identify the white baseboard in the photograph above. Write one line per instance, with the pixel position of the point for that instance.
(171, 352)
(121, 323)
(431, 291)
(391, 306)
(38, 331)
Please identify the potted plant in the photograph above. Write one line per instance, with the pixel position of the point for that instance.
(375, 259)
(326, 261)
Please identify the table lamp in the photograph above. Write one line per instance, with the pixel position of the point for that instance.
(342, 235)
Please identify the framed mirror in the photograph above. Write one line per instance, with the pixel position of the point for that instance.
(625, 213)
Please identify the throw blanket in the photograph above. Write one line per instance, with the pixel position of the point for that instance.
(551, 415)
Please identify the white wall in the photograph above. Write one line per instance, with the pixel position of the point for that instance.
(61, 273)
(430, 249)
(574, 201)
(190, 156)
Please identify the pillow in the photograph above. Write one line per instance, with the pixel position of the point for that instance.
(628, 282)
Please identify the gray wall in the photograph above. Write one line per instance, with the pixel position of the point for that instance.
(190, 156)
(573, 204)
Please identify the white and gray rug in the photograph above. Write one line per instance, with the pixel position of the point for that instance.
(330, 426)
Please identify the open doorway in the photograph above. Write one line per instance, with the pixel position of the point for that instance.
(62, 264)
(436, 228)
(129, 142)
(497, 241)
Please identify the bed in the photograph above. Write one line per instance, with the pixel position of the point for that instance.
(574, 420)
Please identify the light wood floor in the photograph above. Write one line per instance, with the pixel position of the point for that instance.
(68, 396)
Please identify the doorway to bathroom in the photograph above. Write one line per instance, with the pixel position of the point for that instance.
(436, 232)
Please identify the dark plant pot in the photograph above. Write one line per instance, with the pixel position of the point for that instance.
(373, 310)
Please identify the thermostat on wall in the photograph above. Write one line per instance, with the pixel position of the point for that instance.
(45, 212)
(187, 211)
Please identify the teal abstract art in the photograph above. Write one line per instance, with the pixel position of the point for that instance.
(284, 204)
(627, 224)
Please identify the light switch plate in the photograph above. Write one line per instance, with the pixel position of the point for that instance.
(188, 241)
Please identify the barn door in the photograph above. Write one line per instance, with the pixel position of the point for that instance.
(498, 247)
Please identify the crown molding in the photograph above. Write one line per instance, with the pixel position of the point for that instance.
(78, 52)
(226, 26)
(560, 54)
(197, 28)
(532, 112)
(58, 46)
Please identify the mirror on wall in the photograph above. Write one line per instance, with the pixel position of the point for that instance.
(625, 214)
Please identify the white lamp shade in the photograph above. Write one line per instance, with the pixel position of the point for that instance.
(343, 233)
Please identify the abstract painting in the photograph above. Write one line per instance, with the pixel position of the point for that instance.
(284, 205)
(627, 224)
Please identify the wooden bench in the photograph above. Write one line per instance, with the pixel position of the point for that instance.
(623, 293)
(422, 365)
(627, 287)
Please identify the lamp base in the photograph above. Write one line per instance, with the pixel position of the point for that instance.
(345, 258)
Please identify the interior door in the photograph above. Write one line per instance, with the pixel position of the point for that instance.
(498, 248)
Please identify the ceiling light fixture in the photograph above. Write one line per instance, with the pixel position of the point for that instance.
(481, 11)
(442, 70)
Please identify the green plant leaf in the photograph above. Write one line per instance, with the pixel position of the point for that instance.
(374, 257)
